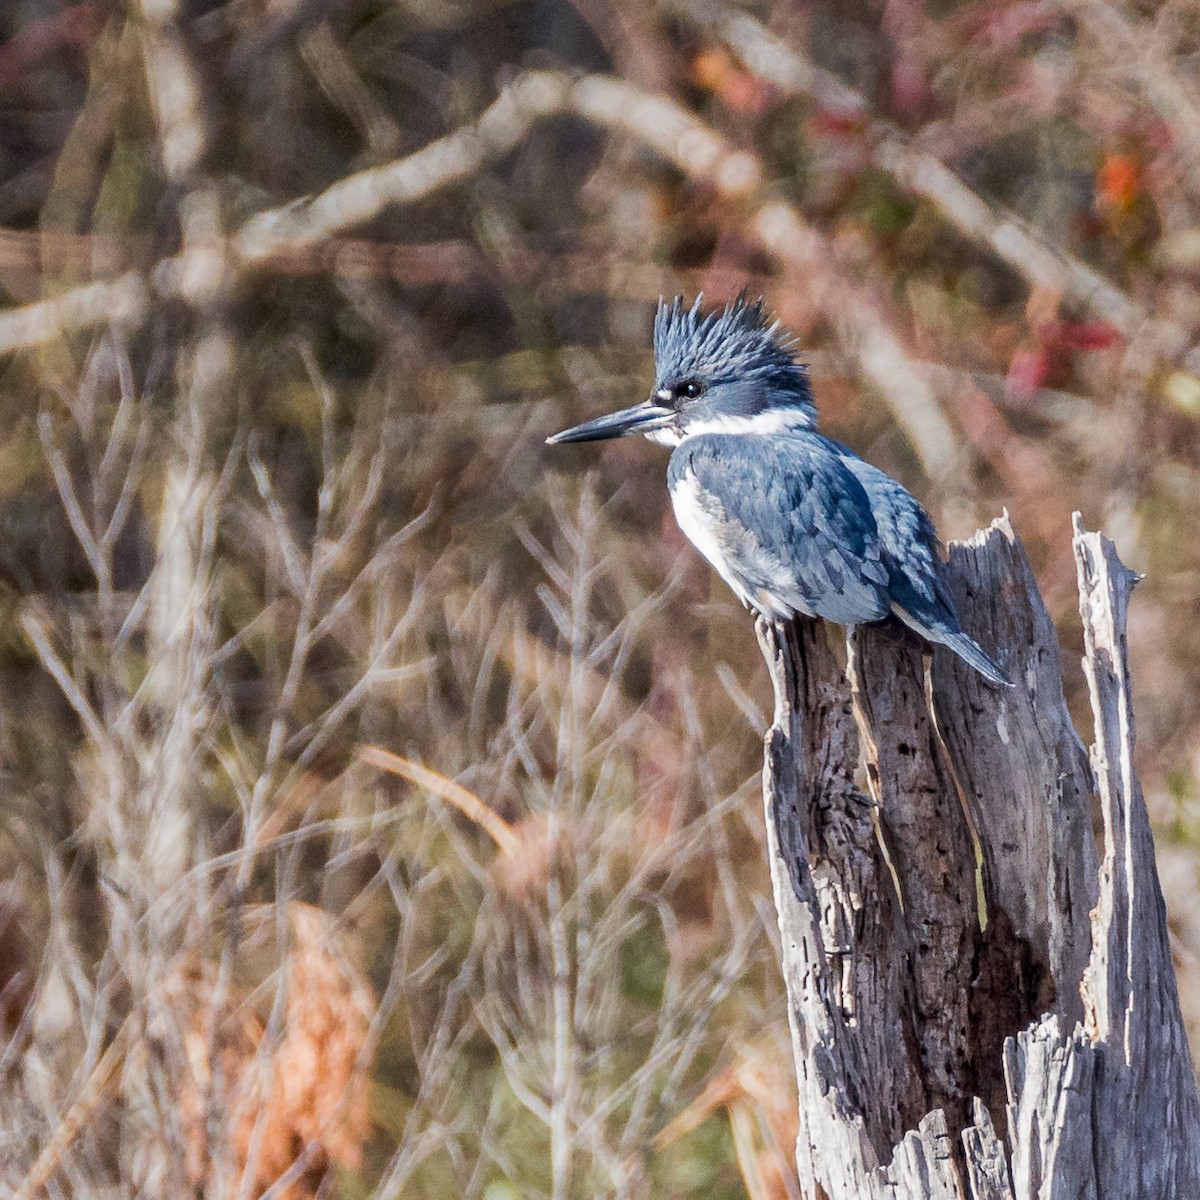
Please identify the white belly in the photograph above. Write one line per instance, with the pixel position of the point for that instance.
(700, 528)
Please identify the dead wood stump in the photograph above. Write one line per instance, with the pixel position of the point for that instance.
(979, 1007)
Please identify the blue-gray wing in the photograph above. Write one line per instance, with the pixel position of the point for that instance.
(909, 542)
(916, 576)
(785, 522)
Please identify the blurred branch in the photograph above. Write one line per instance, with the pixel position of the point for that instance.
(174, 89)
(365, 195)
(865, 335)
(334, 73)
(286, 233)
(123, 301)
(34, 626)
(699, 152)
(925, 175)
(1132, 51)
(415, 264)
(703, 156)
(466, 802)
(93, 1092)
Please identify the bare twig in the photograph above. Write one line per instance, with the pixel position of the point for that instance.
(466, 802)
(921, 173)
(90, 1096)
(1133, 50)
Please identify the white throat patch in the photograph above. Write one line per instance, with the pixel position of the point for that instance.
(769, 421)
(668, 435)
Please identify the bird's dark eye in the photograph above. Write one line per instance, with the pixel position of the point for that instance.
(690, 389)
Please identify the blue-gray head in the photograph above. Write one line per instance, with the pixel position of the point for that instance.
(731, 370)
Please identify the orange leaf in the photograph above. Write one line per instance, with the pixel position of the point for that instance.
(1118, 182)
(717, 72)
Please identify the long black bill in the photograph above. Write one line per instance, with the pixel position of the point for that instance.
(641, 418)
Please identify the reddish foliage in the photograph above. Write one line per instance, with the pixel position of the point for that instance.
(76, 27)
(1047, 354)
(717, 72)
(308, 1094)
(1119, 183)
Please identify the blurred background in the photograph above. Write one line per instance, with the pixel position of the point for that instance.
(380, 810)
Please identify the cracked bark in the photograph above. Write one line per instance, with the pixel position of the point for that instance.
(980, 1007)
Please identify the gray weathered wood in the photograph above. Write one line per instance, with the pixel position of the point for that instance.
(978, 1008)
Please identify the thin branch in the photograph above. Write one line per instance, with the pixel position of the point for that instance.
(466, 802)
(123, 301)
(924, 175)
(33, 625)
(457, 156)
(1131, 50)
(704, 156)
(75, 1118)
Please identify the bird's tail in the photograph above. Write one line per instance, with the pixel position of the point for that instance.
(969, 650)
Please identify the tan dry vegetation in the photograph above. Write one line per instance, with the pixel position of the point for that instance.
(289, 1076)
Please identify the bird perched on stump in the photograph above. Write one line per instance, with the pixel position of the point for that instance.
(793, 521)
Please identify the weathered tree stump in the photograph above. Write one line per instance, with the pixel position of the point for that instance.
(979, 1007)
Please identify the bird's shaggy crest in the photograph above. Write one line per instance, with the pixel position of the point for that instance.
(734, 343)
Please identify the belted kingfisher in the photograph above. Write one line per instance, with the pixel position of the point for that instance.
(793, 521)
